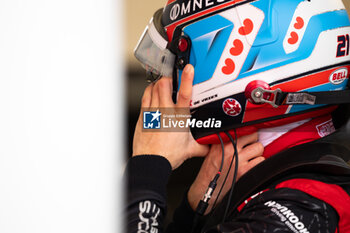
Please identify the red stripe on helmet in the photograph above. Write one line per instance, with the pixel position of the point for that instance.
(309, 81)
(170, 1)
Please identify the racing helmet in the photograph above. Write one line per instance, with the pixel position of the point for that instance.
(258, 64)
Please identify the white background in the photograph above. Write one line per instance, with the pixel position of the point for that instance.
(60, 110)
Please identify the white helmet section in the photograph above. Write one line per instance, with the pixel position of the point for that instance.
(301, 18)
(222, 85)
(229, 66)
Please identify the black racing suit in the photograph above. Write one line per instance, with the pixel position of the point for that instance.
(279, 204)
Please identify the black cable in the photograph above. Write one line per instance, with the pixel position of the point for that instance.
(222, 152)
(222, 186)
(234, 143)
(204, 203)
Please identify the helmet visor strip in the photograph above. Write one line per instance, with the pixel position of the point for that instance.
(153, 53)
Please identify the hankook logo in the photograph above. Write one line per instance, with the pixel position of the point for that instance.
(192, 6)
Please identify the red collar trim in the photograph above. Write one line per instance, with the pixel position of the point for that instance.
(307, 132)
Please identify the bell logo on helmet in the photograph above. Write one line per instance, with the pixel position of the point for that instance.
(338, 76)
(231, 107)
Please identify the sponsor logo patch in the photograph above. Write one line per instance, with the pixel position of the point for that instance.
(148, 217)
(231, 107)
(288, 217)
(325, 128)
(338, 76)
(183, 9)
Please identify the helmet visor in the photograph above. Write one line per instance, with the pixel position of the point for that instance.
(153, 54)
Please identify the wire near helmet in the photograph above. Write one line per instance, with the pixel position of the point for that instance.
(257, 63)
